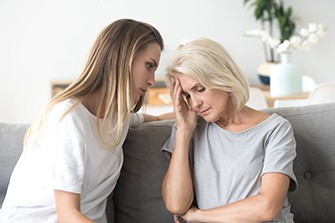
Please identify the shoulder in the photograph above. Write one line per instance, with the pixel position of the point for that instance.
(271, 120)
(135, 119)
(63, 108)
(279, 130)
(278, 120)
(273, 125)
(70, 114)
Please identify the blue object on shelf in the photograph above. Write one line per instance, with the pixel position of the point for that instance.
(264, 79)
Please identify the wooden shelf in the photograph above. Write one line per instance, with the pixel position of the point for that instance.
(59, 85)
(157, 95)
(271, 100)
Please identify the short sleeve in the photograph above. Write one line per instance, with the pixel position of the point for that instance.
(70, 159)
(280, 152)
(168, 146)
(136, 119)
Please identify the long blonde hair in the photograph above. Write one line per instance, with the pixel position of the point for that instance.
(108, 69)
(209, 63)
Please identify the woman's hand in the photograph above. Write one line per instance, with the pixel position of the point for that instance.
(187, 217)
(178, 219)
(177, 188)
(186, 118)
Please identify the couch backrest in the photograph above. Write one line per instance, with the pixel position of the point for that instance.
(314, 129)
(11, 141)
(138, 195)
(138, 192)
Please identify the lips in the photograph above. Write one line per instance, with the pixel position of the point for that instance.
(203, 112)
(143, 90)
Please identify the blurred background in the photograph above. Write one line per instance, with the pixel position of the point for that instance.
(43, 41)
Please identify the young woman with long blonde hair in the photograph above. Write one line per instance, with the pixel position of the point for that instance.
(72, 154)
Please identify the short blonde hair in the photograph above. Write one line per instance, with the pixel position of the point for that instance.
(209, 63)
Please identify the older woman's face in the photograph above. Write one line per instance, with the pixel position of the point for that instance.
(144, 67)
(212, 105)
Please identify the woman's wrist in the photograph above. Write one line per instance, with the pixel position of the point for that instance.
(185, 132)
(199, 215)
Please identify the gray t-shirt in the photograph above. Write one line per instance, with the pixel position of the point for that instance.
(228, 166)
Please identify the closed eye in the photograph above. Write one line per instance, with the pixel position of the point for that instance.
(200, 89)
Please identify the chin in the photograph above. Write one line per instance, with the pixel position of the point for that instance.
(210, 118)
(207, 119)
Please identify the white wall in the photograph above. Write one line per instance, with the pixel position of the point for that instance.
(44, 40)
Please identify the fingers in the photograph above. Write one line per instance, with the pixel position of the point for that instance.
(176, 91)
(172, 85)
(177, 219)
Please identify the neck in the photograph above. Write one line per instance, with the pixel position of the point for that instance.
(232, 117)
(91, 102)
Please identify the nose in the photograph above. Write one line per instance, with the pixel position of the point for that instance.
(151, 79)
(194, 103)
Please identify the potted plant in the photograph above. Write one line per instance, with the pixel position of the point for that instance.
(272, 13)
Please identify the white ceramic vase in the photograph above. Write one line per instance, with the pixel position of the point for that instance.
(286, 78)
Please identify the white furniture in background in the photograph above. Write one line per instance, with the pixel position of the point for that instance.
(322, 93)
(156, 109)
(257, 98)
(308, 85)
(289, 103)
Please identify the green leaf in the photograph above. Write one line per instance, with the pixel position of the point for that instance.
(270, 11)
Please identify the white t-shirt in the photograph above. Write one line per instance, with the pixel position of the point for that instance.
(69, 156)
(229, 166)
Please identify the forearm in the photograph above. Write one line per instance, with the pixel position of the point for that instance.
(265, 206)
(253, 209)
(177, 184)
(165, 116)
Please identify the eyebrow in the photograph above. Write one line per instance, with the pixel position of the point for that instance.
(155, 63)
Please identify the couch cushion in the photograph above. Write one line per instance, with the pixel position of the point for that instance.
(138, 196)
(313, 201)
(314, 129)
(11, 142)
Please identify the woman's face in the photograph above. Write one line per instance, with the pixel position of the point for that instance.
(144, 66)
(212, 105)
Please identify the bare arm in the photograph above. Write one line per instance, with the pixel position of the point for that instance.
(165, 116)
(177, 185)
(260, 208)
(177, 188)
(68, 208)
